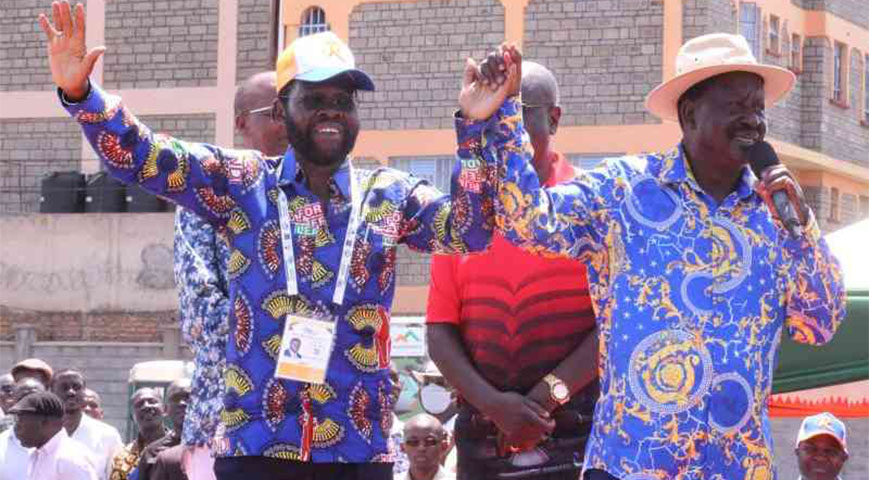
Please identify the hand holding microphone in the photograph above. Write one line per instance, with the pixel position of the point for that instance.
(777, 187)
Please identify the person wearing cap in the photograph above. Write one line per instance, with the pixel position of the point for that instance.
(202, 254)
(822, 447)
(101, 439)
(39, 425)
(693, 275)
(514, 332)
(34, 368)
(15, 457)
(314, 244)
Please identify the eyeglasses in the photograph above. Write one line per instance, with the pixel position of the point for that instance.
(427, 441)
(257, 111)
(536, 105)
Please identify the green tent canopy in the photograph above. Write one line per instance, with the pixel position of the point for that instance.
(846, 358)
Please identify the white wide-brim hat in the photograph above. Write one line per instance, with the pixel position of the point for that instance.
(710, 55)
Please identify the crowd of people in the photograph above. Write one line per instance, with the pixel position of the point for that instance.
(618, 323)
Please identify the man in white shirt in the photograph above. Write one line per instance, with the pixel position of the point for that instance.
(425, 443)
(39, 425)
(101, 439)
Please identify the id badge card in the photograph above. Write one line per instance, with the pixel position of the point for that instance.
(305, 349)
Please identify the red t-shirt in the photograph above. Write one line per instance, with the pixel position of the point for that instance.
(519, 314)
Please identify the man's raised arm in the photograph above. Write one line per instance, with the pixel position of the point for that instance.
(193, 175)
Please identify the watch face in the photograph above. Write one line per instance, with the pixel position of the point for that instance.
(560, 392)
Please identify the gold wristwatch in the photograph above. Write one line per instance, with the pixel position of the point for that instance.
(558, 391)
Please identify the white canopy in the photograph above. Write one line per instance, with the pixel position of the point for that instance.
(851, 246)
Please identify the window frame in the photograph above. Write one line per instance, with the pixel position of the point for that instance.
(774, 48)
(796, 53)
(839, 92)
(835, 200)
(313, 21)
(754, 41)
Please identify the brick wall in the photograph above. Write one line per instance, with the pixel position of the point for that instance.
(160, 44)
(784, 118)
(700, 17)
(816, 60)
(30, 148)
(88, 326)
(22, 47)
(252, 56)
(194, 128)
(106, 367)
(415, 52)
(606, 55)
(819, 199)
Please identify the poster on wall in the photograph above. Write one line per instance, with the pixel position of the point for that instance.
(408, 336)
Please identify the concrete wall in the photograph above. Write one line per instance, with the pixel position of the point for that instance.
(87, 262)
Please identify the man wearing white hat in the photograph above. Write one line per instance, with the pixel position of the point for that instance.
(313, 242)
(694, 274)
(822, 447)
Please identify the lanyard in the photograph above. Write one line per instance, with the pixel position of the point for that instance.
(356, 198)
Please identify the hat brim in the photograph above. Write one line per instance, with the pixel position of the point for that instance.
(361, 80)
(662, 101)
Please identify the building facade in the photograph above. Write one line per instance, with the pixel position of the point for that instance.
(176, 65)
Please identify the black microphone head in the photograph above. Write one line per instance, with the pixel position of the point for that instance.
(761, 156)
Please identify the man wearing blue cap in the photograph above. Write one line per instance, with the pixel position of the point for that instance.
(822, 447)
(313, 250)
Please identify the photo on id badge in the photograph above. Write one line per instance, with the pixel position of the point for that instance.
(305, 349)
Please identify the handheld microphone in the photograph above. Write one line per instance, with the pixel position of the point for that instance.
(761, 157)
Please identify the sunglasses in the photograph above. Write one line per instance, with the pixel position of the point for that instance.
(342, 102)
(261, 110)
(427, 441)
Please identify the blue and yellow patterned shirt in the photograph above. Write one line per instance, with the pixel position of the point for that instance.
(347, 418)
(201, 257)
(692, 297)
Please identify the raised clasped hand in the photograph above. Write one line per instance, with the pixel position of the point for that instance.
(487, 85)
(71, 63)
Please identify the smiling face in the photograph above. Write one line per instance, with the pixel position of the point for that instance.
(820, 458)
(147, 408)
(321, 120)
(725, 117)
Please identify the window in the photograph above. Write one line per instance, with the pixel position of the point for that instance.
(864, 206)
(436, 170)
(834, 204)
(796, 53)
(774, 25)
(313, 21)
(839, 73)
(748, 26)
(866, 89)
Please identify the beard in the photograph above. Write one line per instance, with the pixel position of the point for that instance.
(304, 145)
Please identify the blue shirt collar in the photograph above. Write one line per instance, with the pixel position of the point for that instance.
(291, 172)
(675, 169)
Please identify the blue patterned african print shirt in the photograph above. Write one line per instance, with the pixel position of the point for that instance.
(692, 297)
(347, 418)
(201, 256)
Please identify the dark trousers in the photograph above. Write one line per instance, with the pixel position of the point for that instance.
(598, 475)
(265, 468)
